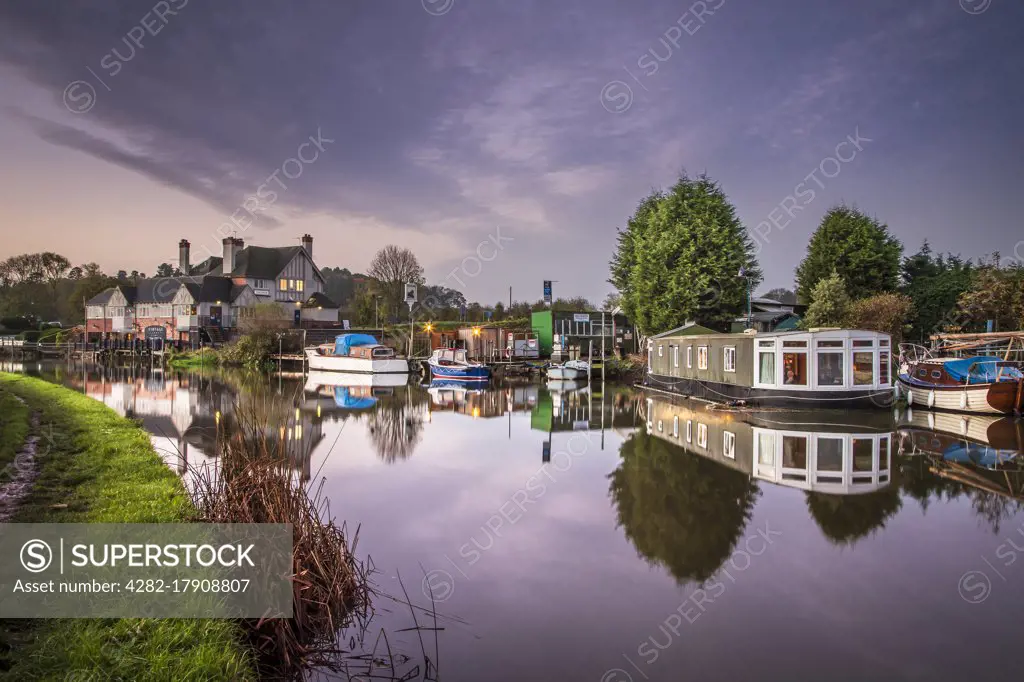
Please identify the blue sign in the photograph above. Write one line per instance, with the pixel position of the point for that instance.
(547, 291)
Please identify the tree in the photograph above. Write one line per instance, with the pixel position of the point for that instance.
(165, 270)
(679, 257)
(830, 304)
(781, 295)
(856, 246)
(393, 266)
(934, 284)
(612, 301)
(577, 304)
(886, 313)
(996, 293)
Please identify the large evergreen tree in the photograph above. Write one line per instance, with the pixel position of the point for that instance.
(856, 246)
(679, 257)
(933, 283)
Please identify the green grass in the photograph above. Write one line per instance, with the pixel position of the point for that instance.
(13, 430)
(193, 359)
(104, 468)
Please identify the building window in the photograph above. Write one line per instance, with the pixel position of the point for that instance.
(883, 368)
(661, 350)
(766, 449)
(675, 356)
(830, 454)
(675, 426)
(863, 343)
(284, 284)
(794, 456)
(689, 430)
(702, 357)
(830, 369)
(794, 369)
(863, 368)
(689, 357)
(730, 359)
(729, 444)
(300, 285)
(702, 435)
(863, 454)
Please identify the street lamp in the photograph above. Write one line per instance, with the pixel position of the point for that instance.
(743, 273)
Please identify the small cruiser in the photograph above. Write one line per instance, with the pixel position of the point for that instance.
(358, 353)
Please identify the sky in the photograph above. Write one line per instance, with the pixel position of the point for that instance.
(505, 143)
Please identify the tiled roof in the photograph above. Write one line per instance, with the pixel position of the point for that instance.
(258, 262)
(319, 300)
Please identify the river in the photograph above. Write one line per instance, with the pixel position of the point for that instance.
(567, 532)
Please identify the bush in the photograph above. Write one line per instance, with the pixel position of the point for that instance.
(19, 323)
(251, 351)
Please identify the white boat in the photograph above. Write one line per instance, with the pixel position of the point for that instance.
(454, 364)
(356, 353)
(572, 369)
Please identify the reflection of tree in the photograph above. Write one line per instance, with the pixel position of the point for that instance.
(678, 509)
(844, 519)
(395, 427)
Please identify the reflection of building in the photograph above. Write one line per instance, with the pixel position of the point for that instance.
(839, 452)
(583, 407)
(486, 403)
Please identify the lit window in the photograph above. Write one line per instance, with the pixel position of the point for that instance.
(883, 368)
(863, 368)
(284, 284)
(300, 285)
(794, 369)
(729, 444)
(702, 357)
(730, 359)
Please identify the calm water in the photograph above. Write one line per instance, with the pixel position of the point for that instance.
(569, 533)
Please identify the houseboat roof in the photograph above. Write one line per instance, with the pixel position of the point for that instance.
(683, 331)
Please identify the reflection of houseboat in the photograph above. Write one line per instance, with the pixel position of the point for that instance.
(353, 392)
(359, 353)
(844, 367)
(316, 379)
(984, 384)
(834, 452)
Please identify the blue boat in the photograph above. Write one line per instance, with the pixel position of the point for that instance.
(452, 364)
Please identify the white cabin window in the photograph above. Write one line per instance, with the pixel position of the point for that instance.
(702, 435)
(661, 426)
(729, 444)
(830, 368)
(730, 358)
(675, 356)
(661, 350)
(689, 430)
(702, 357)
(689, 357)
(883, 368)
(863, 368)
(675, 426)
(829, 462)
(766, 367)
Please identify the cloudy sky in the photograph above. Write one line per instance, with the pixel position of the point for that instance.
(449, 126)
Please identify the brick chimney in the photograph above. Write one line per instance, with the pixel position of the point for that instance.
(307, 244)
(183, 264)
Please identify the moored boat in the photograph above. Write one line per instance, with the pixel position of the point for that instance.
(454, 364)
(569, 370)
(814, 368)
(357, 353)
(984, 384)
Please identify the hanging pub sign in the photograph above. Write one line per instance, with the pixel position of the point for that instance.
(547, 291)
(410, 293)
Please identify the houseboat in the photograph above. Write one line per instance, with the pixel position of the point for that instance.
(454, 364)
(981, 384)
(357, 353)
(815, 368)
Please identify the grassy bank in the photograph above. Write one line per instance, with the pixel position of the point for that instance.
(96, 466)
(13, 430)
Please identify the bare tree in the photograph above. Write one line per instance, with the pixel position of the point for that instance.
(392, 266)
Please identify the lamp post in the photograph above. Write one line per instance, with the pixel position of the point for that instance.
(743, 274)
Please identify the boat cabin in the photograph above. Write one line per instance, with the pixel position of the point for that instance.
(451, 356)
